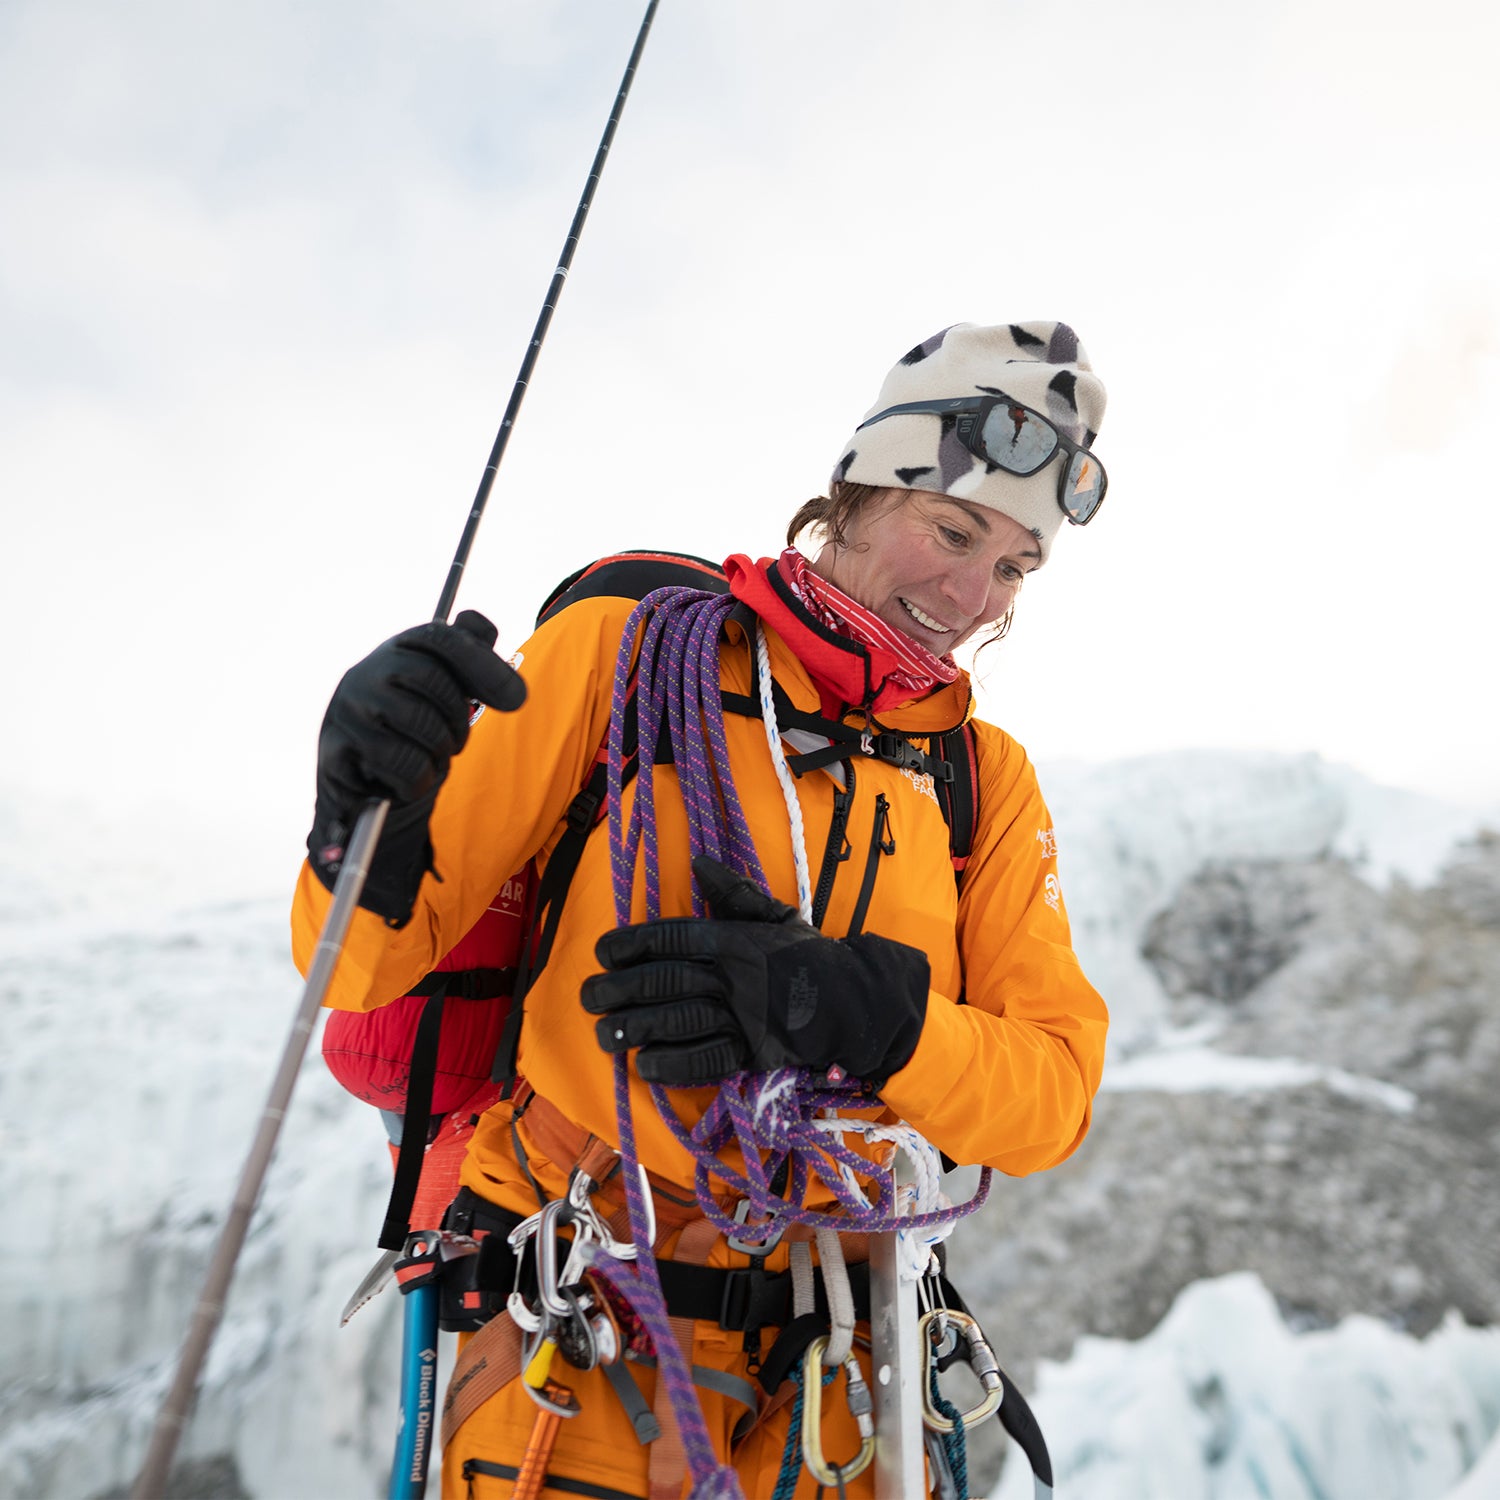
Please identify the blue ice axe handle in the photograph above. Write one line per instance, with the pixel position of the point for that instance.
(418, 1429)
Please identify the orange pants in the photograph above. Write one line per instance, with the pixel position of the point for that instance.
(599, 1447)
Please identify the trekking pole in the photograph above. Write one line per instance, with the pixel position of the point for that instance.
(209, 1311)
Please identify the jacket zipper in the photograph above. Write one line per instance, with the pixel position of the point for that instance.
(880, 843)
(837, 849)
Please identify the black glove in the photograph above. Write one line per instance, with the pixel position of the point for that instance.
(394, 723)
(754, 987)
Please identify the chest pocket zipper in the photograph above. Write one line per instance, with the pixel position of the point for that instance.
(881, 842)
(837, 849)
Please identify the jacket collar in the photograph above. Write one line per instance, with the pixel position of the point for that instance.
(848, 676)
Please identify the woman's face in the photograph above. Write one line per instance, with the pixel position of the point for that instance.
(932, 566)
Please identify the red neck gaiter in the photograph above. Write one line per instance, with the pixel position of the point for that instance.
(852, 655)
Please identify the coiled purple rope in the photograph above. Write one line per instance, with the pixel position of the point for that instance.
(765, 1120)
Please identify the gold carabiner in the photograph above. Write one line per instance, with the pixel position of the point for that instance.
(861, 1408)
(981, 1360)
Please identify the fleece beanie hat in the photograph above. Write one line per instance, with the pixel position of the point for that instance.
(1040, 365)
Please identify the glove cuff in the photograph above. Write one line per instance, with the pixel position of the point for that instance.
(403, 855)
(858, 1002)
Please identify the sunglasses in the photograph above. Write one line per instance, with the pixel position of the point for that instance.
(1021, 441)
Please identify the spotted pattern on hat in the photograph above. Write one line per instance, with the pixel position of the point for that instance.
(1062, 400)
(925, 348)
(1040, 364)
(1063, 347)
(954, 460)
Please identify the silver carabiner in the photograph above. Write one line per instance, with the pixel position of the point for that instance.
(583, 1207)
(548, 1287)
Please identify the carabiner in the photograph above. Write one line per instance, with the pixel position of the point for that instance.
(981, 1360)
(861, 1408)
(548, 1287)
(584, 1208)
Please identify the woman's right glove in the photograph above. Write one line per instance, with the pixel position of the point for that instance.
(395, 722)
(753, 987)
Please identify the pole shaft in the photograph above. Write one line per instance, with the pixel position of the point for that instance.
(210, 1307)
(209, 1311)
(534, 348)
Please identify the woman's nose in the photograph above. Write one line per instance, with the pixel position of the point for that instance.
(969, 588)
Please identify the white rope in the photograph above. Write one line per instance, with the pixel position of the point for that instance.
(783, 775)
(914, 1247)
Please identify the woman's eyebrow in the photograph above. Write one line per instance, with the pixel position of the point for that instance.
(974, 512)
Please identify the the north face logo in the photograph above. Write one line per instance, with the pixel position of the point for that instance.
(802, 1000)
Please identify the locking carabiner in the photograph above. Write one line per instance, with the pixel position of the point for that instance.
(857, 1393)
(933, 1329)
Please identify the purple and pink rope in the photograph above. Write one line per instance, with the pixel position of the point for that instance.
(764, 1120)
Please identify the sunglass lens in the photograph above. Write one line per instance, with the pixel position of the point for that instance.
(1083, 489)
(1017, 440)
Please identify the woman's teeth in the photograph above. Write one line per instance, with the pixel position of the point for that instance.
(923, 618)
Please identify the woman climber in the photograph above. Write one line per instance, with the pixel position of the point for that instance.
(773, 898)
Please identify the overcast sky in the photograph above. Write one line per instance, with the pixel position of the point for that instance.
(267, 273)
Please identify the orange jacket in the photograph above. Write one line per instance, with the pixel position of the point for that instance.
(1005, 1078)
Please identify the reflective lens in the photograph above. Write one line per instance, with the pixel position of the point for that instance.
(1083, 489)
(1018, 440)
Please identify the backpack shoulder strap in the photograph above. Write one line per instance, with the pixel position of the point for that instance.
(959, 797)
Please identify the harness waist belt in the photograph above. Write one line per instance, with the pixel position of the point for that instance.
(738, 1300)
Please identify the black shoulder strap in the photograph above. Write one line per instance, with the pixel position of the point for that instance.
(959, 796)
(633, 575)
(952, 761)
(416, 1121)
(583, 813)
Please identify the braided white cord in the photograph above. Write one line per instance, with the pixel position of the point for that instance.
(914, 1248)
(783, 774)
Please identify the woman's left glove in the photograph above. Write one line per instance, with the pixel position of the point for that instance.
(753, 987)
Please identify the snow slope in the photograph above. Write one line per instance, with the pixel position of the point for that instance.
(142, 1030)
